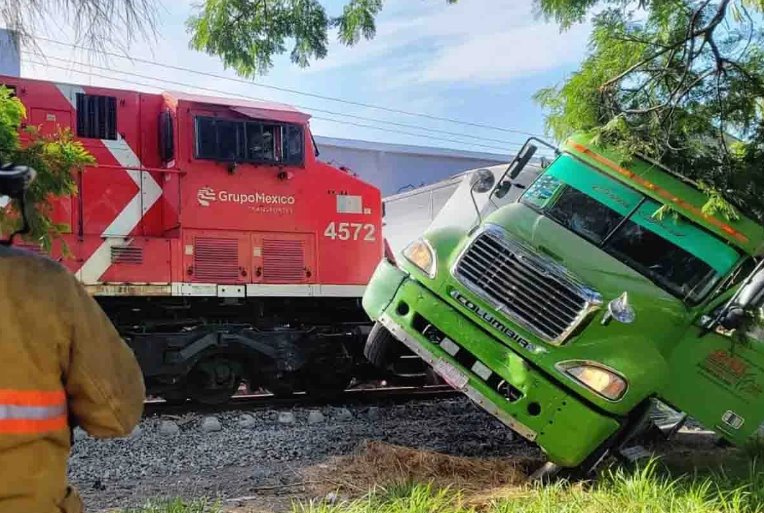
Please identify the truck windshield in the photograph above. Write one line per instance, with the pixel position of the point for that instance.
(673, 252)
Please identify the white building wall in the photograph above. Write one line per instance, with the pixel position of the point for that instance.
(10, 60)
(395, 168)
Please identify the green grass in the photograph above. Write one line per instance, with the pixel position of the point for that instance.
(645, 490)
(178, 506)
(649, 489)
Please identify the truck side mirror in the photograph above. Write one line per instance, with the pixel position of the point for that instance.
(521, 159)
(515, 167)
(747, 297)
(502, 189)
(482, 181)
(751, 292)
(732, 318)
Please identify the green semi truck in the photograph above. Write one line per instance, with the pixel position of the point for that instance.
(565, 313)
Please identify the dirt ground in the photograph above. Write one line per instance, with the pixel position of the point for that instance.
(482, 479)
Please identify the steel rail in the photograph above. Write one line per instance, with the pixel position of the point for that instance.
(154, 407)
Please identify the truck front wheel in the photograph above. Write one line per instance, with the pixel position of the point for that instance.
(381, 348)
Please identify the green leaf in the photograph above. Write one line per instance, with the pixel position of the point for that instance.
(54, 157)
(678, 81)
(248, 34)
(357, 20)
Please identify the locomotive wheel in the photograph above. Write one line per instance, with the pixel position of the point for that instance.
(214, 380)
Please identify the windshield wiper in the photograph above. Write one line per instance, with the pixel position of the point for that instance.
(623, 221)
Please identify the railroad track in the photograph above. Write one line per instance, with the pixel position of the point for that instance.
(262, 401)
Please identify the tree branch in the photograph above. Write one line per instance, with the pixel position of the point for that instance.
(692, 35)
(757, 81)
(672, 100)
(717, 54)
(722, 121)
(631, 39)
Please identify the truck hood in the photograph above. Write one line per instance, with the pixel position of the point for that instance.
(655, 307)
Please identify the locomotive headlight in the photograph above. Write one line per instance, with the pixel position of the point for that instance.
(420, 254)
(597, 378)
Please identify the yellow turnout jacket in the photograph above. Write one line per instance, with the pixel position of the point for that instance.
(62, 364)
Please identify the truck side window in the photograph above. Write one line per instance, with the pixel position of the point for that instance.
(738, 276)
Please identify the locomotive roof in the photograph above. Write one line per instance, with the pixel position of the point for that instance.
(250, 108)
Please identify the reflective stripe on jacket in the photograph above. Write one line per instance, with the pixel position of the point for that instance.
(32, 411)
(61, 362)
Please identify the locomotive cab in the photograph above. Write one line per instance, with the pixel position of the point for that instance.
(257, 208)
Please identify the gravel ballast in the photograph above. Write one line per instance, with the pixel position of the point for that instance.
(237, 453)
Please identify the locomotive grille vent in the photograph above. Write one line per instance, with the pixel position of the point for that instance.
(96, 116)
(126, 255)
(283, 261)
(216, 260)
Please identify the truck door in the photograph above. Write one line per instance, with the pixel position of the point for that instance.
(718, 379)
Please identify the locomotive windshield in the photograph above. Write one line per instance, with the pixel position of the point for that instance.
(674, 253)
(259, 142)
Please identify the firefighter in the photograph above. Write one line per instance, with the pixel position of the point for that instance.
(62, 364)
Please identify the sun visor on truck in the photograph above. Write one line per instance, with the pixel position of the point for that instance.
(688, 236)
(623, 199)
(615, 195)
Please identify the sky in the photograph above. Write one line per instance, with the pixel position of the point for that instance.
(478, 61)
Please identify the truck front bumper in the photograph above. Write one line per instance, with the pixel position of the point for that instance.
(526, 399)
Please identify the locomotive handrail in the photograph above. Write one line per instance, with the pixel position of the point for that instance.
(175, 171)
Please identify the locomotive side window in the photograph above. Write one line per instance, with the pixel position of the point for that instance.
(96, 116)
(11, 88)
(248, 141)
(261, 142)
(229, 140)
(206, 138)
(293, 144)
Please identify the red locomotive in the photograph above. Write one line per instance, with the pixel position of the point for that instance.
(219, 245)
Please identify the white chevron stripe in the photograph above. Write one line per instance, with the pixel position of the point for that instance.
(149, 192)
(69, 92)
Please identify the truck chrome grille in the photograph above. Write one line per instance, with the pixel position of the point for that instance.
(529, 289)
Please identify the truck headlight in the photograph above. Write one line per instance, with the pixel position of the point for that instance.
(420, 254)
(597, 378)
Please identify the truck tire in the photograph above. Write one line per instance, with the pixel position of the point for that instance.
(381, 348)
